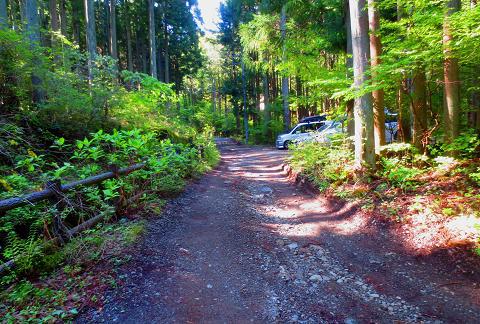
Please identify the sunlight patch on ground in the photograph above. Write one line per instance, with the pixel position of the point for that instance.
(463, 228)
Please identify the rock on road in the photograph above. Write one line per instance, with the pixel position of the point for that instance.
(243, 244)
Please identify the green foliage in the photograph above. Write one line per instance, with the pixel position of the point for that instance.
(100, 243)
(475, 176)
(323, 164)
(74, 108)
(465, 146)
(399, 174)
(66, 126)
(15, 65)
(22, 230)
(58, 299)
(333, 164)
(398, 163)
(30, 300)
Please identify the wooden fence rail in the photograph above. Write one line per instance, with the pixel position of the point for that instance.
(31, 198)
(53, 192)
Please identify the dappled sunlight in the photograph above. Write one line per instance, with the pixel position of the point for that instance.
(255, 166)
(296, 217)
(464, 227)
(310, 219)
(430, 230)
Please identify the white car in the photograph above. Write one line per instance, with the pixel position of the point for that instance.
(300, 133)
(330, 128)
(336, 127)
(322, 132)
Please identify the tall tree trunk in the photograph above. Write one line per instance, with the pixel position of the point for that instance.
(404, 111)
(160, 65)
(476, 93)
(258, 96)
(363, 110)
(349, 64)
(404, 132)
(63, 18)
(214, 94)
(106, 27)
(245, 111)
(219, 95)
(3, 14)
(76, 13)
(377, 95)
(225, 104)
(153, 46)
(15, 15)
(165, 44)
(23, 18)
(144, 56)
(128, 32)
(113, 29)
(176, 79)
(54, 25)
(452, 77)
(476, 103)
(33, 34)
(54, 21)
(285, 104)
(301, 110)
(266, 103)
(138, 51)
(419, 109)
(91, 36)
(42, 8)
(220, 102)
(274, 86)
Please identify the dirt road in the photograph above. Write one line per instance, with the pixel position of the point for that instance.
(243, 244)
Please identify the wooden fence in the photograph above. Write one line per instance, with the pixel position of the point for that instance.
(54, 192)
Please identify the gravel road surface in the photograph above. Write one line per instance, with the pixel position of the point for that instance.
(243, 244)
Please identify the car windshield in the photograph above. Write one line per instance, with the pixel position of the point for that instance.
(325, 126)
(312, 127)
(331, 124)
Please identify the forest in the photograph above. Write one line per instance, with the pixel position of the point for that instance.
(408, 67)
(420, 67)
(89, 86)
(402, 77)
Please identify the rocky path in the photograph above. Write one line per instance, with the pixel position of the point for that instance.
(244, 245)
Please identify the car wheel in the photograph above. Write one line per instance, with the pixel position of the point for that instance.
(286, 145)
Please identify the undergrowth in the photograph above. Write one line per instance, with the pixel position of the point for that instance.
(61, 295)
(24, 230)
(27, 233)
(444, 183)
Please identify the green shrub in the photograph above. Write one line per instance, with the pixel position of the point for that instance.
(401, 164)
(398, 174)
(465, 146)
(323, 164)
(475, 176)
(23, 230)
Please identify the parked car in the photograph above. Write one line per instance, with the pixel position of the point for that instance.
(331, 127)
(311, 119)
(322, 131)
(300, 133)
(391, 126)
